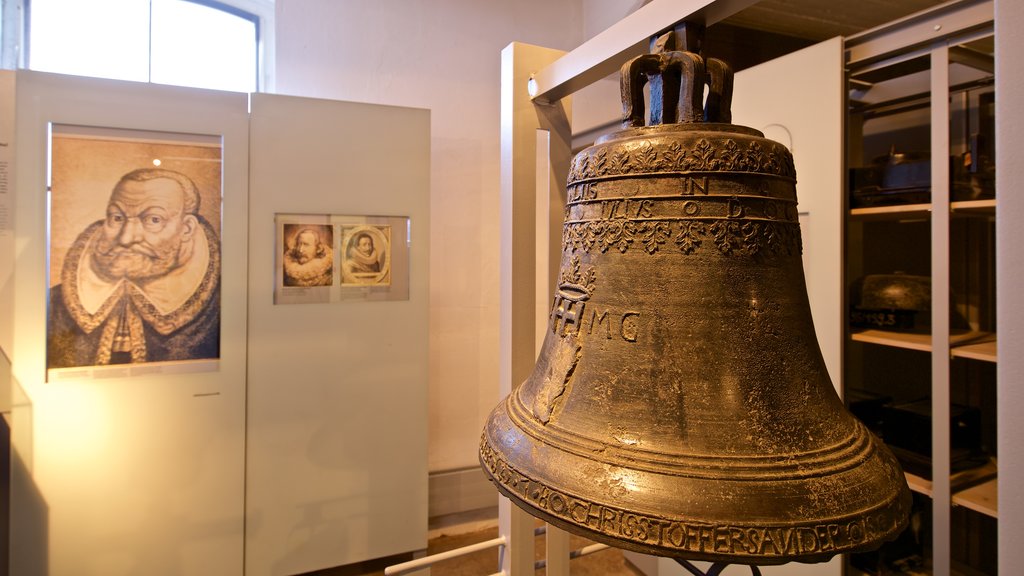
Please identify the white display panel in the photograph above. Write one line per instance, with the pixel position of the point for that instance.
(6, 234)
(809, 121)
(337, 393)
(140, 471)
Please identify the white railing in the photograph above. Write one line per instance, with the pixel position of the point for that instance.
(427, 561)
(499, 542)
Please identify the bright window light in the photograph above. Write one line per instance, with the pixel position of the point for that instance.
(105, 38)
(201, 46)
(200, 43)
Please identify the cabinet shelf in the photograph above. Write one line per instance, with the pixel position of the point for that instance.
(983, 349)
(895, 212)
(974, 207)
(982, 498)
(923, 342)
(919, 484)
(923, 211)
(974, 489)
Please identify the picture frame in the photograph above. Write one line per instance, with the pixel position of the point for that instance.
(366, 255)
(134, 251)
(321, 258)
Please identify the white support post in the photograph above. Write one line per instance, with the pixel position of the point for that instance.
(551, 172)
(941, 490)
(557, 552)
(525, 264)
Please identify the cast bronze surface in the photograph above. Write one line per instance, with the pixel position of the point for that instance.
(680, 405)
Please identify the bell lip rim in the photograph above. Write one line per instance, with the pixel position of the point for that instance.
(715, 127)
(851, 452)
(902, 521)
(896, 497)
(900, 490)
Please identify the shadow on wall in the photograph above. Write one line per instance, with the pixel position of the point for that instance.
(33, 517)
(5, 494)
(167, 544)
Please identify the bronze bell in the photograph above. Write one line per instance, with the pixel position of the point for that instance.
(680, 405)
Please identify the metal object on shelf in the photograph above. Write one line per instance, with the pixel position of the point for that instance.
(897, 178)
(895, 301)
(902, 178)
(680, 405)
(897, 291)
(907, 429)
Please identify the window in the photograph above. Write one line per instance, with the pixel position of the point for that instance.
(200, 43)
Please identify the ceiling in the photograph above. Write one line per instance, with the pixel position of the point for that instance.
(771, 28)
(818, 20)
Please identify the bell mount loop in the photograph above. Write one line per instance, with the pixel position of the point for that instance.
(635, 74)
(677, 74)
(718, 107)
(687, 98)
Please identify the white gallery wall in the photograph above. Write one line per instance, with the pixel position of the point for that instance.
(443, 55)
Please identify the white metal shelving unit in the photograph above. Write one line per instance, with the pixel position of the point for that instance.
(932, 37)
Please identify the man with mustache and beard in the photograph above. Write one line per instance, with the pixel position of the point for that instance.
(309, 261)
(141, 285)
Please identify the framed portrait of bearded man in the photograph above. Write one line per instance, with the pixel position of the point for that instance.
(134, 271)
(330, 258)
(305, 263)
(308, 255)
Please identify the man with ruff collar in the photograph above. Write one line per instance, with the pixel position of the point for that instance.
(363, 262)
(309, 261)
(141, 285)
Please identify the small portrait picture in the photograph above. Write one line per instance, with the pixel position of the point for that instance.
(308, 255)
(367, 255)
(134, 250)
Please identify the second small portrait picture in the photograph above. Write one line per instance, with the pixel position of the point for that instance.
(366, 256)
(308, 258)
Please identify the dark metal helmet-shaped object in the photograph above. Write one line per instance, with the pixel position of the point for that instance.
(680, 405)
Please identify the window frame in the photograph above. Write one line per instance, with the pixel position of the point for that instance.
(15, 42)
